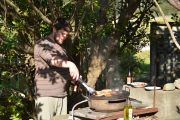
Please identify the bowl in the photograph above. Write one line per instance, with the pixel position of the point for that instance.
(149, 88)
(138, 84)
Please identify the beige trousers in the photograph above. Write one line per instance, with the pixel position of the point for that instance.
(47, 107)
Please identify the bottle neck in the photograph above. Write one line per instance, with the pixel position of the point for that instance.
(129, 73)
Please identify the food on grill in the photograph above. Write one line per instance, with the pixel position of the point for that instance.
(105, 92)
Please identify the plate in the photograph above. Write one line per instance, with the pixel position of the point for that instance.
(138, 84)
(152, 88)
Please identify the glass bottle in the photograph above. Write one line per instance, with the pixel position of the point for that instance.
(128, 111)
(129, 77)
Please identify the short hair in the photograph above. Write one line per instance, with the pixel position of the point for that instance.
(61, 23)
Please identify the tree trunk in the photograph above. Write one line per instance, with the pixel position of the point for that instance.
(101, 52)
(99, 59)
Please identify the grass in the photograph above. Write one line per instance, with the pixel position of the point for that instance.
(143, 75)
(145, 56)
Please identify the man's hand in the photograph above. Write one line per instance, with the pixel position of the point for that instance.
(74, 72)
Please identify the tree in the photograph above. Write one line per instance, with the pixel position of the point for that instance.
(102, 29)
(103, 26)
(124, 34)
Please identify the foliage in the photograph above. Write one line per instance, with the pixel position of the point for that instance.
(145, 55)
(13, 105)
(15, 73)
(138, 64)
(144, 68)
(22, 22)
(130, 62)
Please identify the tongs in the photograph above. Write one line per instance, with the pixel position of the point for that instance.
(88, 88)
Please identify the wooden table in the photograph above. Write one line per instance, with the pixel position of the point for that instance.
(87, 113)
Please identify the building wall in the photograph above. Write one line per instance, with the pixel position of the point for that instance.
(164, 55)
(167, 102)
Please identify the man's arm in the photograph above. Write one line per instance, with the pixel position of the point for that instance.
(74, 72)
(57, 59)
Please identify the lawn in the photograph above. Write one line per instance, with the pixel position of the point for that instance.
(143, 74)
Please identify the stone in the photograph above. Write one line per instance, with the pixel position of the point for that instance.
(61, 117)
(169, 87)
(177, 83)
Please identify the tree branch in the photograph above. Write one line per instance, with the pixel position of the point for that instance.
(39, 12)
(168, 25)
(128, 12)
(175, 3)
(17, 9)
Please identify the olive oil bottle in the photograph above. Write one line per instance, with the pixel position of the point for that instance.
(128, 111)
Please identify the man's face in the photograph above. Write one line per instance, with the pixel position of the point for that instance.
(61, 35)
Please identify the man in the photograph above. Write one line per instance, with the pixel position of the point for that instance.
(53, 69)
